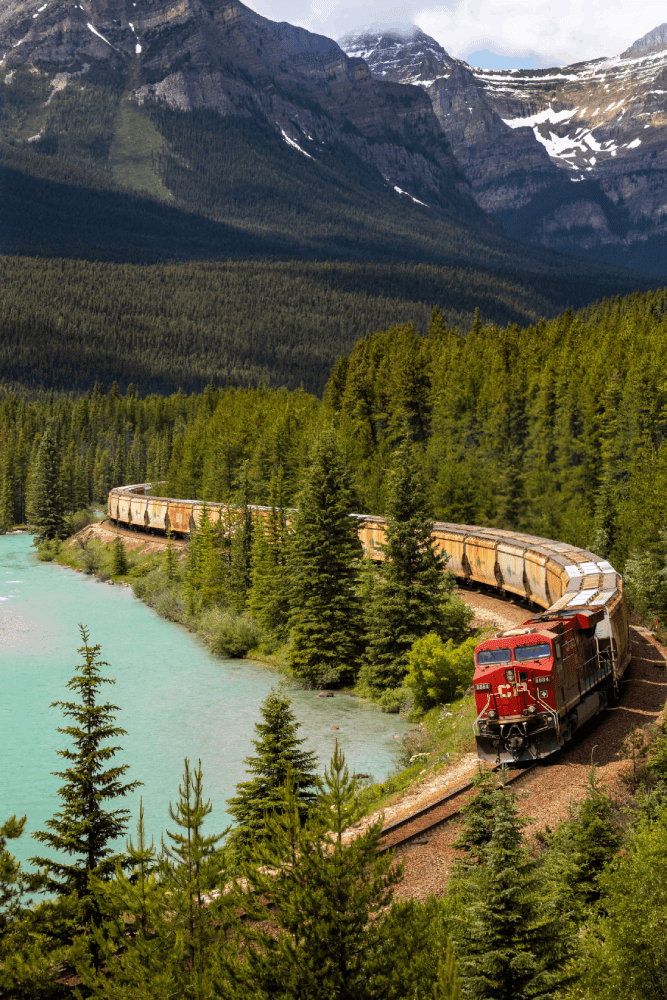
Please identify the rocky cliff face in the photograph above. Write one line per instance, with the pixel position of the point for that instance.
(572, 157)
(220, 55)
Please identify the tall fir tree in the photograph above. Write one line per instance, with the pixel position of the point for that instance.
(407, 599)
(170, 563)
(240, 577)
(511, 942)
(278, 753)
(325, 620)
(190, 867)
(45, 504)
(8, 489)
(85, 830)
(320, 901)
(119, 563)
(268, 598)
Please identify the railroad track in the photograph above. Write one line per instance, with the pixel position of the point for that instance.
(418, 823)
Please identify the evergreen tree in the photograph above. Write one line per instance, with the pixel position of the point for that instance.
(85, 830)
(268, 598)
(14, 882)
(448, 985)
(479, 816)
(512, 944)
(407, 599)
(170, 564)
(119, 563)
(327, 899)
(8, 490)
(241, 546)
(279, 753)
(45, 506)
(325, 615)
(160, 936)
(191, 867)
(580, 849)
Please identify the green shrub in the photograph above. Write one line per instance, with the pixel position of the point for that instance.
(456, 618)
(228, 633)
(80, 520)
(394, 699)
(47, 551)
(149, 588)
(91, 559)
(169, 605)
(439, 671)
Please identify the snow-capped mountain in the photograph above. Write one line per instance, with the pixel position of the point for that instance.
(571, 156)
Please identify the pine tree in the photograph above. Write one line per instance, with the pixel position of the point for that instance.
(241, 545)
(511, 943)
(479, 816)
(325, 553)
(85, 830)
(326, 897)
(278, 753)
(119, 563)
(170, 564)
(268, 598)
(190, 867)
(8, 489)
(45, 507)
(14, 882)
(160, 936)
(407, 599)
(448, 985)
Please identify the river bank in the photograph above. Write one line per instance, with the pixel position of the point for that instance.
(176, 698)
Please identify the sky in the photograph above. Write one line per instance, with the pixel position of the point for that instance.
(533, 32)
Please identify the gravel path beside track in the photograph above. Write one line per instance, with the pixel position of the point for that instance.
(547, 793)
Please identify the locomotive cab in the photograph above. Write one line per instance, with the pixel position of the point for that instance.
(535, 685)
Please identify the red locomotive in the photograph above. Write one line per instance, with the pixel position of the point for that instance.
(536, 685)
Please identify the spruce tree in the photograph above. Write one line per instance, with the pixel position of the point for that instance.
(512, 943)
(407, 599)
(14, 882)
(164, 924)
(190, 867)
(325, 618)
(279, 753)
(241, 546)
(85, 830)
(8, 489)
(170, 563)
(119, 563)
(325, 896)
(45, 505)
(268, 598)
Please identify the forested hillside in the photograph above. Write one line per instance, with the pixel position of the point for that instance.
(556, 429)
(66, 324)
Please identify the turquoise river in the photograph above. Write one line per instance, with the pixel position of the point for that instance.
(176, 699)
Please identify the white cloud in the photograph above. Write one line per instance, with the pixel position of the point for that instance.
(552, 33)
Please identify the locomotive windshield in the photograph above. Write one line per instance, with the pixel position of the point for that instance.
(532, 652)
(493, 656)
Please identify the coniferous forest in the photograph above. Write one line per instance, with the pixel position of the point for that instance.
(555, 429)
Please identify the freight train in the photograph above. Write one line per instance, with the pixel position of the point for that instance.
(535, 685)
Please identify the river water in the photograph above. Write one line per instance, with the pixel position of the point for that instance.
(176, 699)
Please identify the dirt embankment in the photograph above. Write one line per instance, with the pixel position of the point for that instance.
(105, 532)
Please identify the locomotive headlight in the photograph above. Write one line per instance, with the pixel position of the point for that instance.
(493, 714)
(509, 676)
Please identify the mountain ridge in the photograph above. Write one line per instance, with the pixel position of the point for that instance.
(526, 139)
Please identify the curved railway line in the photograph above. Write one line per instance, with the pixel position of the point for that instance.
(416, 824)
(535, 573)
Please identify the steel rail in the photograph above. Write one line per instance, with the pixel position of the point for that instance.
(431, 807)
